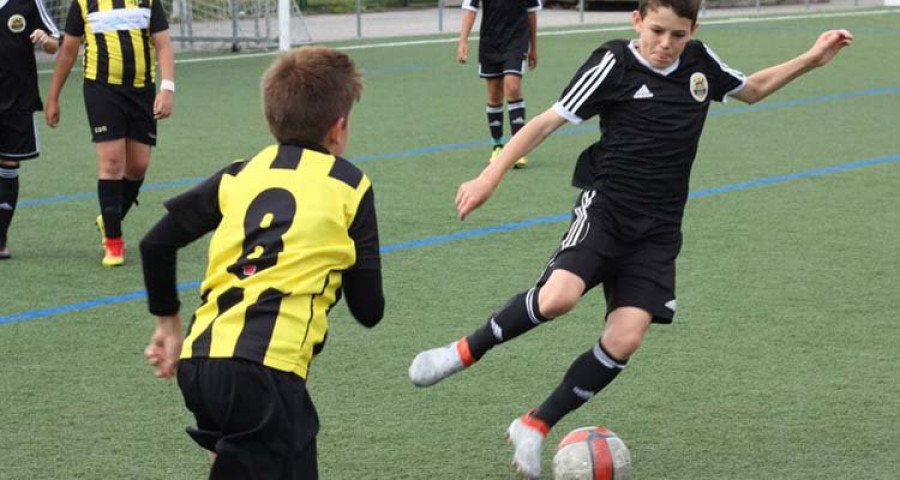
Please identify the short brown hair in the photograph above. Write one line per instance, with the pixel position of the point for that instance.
(308, 89)
(683, 8)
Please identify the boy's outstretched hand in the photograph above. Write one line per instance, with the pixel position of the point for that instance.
(828, 45)
(471, 195)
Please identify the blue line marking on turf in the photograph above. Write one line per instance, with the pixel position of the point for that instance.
(591, 127)
(478, 232)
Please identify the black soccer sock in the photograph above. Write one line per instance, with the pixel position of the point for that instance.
(9, 196)
(516, 109)
(588, 374)
(495, 122)
(109, 192)
(518, 316)
(130, 190)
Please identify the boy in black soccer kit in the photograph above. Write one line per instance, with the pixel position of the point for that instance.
(23, 24)
(507, 40)
(294, 229)
(121, 39)
(652, 95)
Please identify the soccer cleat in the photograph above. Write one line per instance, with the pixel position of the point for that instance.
(521, 163)
(526, 434)
(114, 252)
(495, 152)
(432, 366)
(101, 228)
(4, 251)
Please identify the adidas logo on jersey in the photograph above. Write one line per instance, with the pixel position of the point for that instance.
(643, 92)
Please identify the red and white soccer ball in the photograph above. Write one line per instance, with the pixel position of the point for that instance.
(591, 453)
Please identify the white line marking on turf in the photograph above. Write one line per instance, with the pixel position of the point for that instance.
(369, 46)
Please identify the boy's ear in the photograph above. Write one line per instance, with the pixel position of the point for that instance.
(637, 20)
(336, 131)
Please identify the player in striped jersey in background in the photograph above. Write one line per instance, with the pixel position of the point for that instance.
(121, 38)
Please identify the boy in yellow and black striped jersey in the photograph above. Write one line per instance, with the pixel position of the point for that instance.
(121, 38)
(294, 229)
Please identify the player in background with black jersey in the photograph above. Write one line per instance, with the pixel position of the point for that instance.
(294, 228)
(507, 44)
(121, 40)
(24, 24)
(652, 95)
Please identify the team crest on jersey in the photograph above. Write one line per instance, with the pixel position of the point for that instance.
(699, 86)
(16, 23)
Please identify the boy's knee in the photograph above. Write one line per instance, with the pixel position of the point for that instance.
(513, 94)
(555, 302)
(622, 345)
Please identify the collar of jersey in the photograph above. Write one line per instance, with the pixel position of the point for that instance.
(308, 146)
(632, 45)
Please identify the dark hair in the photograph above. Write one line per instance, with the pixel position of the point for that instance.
(305, 91)
(683, 8)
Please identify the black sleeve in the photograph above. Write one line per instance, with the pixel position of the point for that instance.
(723, 80)
(197, 210)
(75, 22)
(364, 232)
(365, 295)
(159, 254)
(592, 87)
(362, 283)
(158, 21)
(43, 21)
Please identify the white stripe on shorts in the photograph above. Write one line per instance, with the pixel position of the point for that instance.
(581, 225)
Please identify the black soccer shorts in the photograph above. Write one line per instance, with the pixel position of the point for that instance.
(18, 137)
(631, 256)
(260, 422)
(492, 67)
(120, 112)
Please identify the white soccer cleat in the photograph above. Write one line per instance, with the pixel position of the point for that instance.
(527, 437)
(432, 366)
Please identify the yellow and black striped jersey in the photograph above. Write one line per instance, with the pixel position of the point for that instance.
(287, 223)
(118, 48)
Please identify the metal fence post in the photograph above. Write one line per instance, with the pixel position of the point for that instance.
(581, 10)
(234, 25)
(440, 16)
(358, 18)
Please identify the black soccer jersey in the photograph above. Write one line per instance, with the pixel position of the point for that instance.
(18, 72)
(650, 123)
(505, 31)
(118, 48)
(287, 224)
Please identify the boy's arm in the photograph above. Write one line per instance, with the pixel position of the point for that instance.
(159, 252)
(45, 34)
(362, 284)
(70, 43)
(532, 47)
(475, 192)
(162, 104)
(767, 81)
(64, 62)
(468, 20)
(190, 216)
